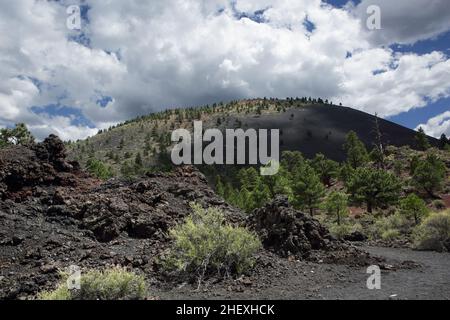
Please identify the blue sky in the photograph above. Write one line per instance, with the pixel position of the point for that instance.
(341, 3)
(417, 116)
(133, 58)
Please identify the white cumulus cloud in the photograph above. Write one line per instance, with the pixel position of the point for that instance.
(438, 125)
(406, 21)
(149, 55)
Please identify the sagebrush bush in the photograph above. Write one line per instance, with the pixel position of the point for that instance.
(346, 228)
(390, 227)
(390, 234)
(111, 284)
(434, 232)
(340, 231)
(205, 243)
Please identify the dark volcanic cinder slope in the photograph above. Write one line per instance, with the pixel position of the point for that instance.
(320, 128)
(310, 128)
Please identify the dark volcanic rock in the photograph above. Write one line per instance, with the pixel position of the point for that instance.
(24, 170)
(446, 244)
(52, 150)
(287, 231)
(52, 215)
(356, 237)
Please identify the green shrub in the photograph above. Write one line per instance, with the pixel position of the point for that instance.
(357, 227)
(390, 234)
(59, 294)
(340, 231)
(413, 207)
(111, 284)
(99, 169)
(434, 232)
(390, 227)
(344, 229)
(204, 243)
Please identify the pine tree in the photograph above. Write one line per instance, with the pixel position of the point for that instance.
(422, 140)
(248, 178)
(443, 142)
(374, 187)
(245, 200)
(413, 207)
(345, 172)
(306, 188)
(231, 194)
(429, 174)
(291, 160)
(19, 135)
(337, 205)
(326, 169)
(260, 194)
(283, 184)
(357, 154)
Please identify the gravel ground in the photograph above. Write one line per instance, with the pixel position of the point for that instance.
(430, 281)
(298, 280)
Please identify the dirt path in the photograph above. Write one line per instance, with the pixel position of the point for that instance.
(292, 280)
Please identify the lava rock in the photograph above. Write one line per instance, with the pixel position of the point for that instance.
(287, 231)
(356, 237)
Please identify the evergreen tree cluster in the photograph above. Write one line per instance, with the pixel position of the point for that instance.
(309, 183)
(19, 135)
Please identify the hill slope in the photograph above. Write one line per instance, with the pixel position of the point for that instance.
(308, 127)
(322, 128)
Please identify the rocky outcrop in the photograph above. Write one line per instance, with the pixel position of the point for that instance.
(52, 215)
(25, 170)
(287, 231)
(53, 151)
